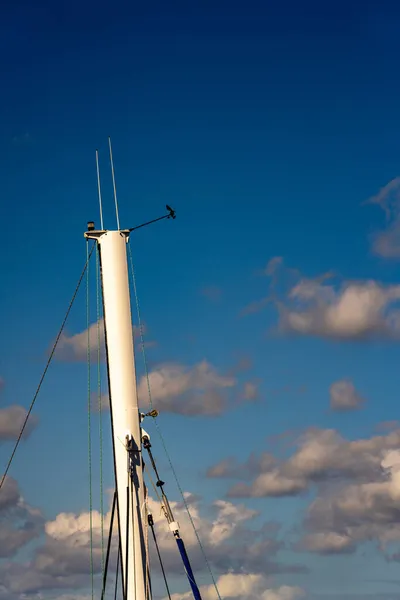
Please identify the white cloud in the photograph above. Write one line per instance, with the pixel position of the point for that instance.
(386, 243)
(186, 390)
(250, 391)
(74, 597)
(19, 522)
(74, 348)
(10, 494)
(249, 586)
(214, 533)
(63, 560)
(320, 307)
(230, 468)
(270, 484)
(197, 390)
(327, 542)
(322, 456)
(358, 512)
(285, 592)
(357, 485)
(272, 265)
(12, 419)
(229, 516)
(224, 468)
(344, 396)
(354, 311)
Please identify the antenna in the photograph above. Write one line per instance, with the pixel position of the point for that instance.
(99, 190)
(113, 179)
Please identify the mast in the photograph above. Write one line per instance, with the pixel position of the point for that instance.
(125, 419)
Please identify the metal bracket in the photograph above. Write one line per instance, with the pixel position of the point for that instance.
(171, 215)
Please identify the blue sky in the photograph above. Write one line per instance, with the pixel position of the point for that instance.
(267, 127)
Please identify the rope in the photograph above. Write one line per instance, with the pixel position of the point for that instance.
(146, 545)
(151, 524)
(100, 409)
(127, 543)
(117, 571)
(89, 418)
(153, 484)
(133, 514)
(159, 430)
(110, 533)
(21, 433)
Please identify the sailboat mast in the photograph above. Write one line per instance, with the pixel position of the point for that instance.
(125, 418)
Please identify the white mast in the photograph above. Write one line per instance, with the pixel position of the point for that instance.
(125, 418)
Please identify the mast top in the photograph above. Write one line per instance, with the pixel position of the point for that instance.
(91, 226)
(93, 233)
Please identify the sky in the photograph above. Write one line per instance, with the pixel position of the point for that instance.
(270, 305)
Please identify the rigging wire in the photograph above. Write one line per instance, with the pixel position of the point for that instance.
(89, 407)
(146, 543)
(159, 430)
(110, 534)
(99, 190)
(117, 571)
(113, 181)
(151, 524)
(153, 484)
(51, 355)
(133, 530)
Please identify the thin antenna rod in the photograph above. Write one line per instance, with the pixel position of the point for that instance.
(113, 178)
(99, 190)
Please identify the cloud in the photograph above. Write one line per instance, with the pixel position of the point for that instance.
(220, 532)
(74, 348)
(12, 419)
(63, 560)
(74, 597)
(356, 485)
(230, 468)
(229, 540)
(184, 390)
(272, 265)
(354, 311)
(344, 396)
(362, 596)
(256, 306)
(212, 293)
(100, 404)
(249, 586)
(327, 308)
(357, 512)
(250, 391)
(386, 243)
(190, 391)
(322, 456)
(9, 494)
(19, 522)
(284, 592)
(327, 542)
